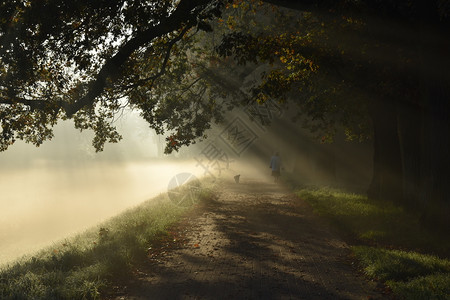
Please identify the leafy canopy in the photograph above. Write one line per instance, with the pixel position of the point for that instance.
(91, 59)
(86, 60)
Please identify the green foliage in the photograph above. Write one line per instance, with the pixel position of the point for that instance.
(85, 266)
(307, 67)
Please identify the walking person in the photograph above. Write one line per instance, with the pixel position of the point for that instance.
(275, 165)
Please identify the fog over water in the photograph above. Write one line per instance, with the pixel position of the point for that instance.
(63, 187)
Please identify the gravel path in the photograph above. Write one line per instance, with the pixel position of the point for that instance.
(255, 241)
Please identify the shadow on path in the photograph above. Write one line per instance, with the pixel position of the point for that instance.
(256, 241)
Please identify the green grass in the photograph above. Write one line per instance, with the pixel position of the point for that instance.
(409, 274)
(375, 222)
(397, 249)
(86, 265)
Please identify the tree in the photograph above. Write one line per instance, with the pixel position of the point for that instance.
(91, 58)
(392, 56)
(85, 60)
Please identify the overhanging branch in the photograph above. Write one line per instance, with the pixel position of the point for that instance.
(33, 104)
(166, 58)
(175, 21)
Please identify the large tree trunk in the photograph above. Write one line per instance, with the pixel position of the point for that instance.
(387, 163)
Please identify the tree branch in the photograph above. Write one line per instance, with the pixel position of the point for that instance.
(162, 70)
(175, 21)
(33, 104)
(304, 5)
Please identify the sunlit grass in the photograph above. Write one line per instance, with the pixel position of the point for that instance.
(430, 287)
(399, 265)
(409, 274)
(82, 267)
(375, 221)
(384, 227)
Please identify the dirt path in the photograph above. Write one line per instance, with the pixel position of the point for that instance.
(256, 241)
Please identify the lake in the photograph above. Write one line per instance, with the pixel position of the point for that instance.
(48, 201)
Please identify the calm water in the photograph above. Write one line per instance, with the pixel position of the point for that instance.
(45, 202)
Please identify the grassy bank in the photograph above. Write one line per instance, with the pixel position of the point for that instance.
(389, 242)
(85, 266)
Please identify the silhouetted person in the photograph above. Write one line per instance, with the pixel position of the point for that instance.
(275, 165)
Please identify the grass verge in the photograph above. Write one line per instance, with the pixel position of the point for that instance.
(85, 266)
(410, 259)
